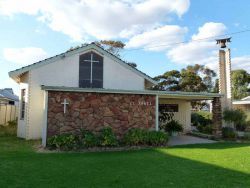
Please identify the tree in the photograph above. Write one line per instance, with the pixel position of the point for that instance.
(216, 87)
(191, 82)
(114, 47)
(195, 78)
(168, 81)
(240, 83)
(205, 82)
(132, 64)
(111, 46)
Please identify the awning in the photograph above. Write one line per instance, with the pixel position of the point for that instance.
(161, 94)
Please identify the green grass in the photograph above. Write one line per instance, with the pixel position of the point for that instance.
(210, 165)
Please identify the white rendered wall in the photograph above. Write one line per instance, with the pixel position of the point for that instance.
(22, 124)
(184, 114)
(66, 73)
(116, 76)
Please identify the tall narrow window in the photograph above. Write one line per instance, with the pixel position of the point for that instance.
(22, 109)
(91, 70)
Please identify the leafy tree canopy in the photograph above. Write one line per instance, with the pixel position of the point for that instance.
(195, 78)
(240, 83)
(114, 47)
(111, 46)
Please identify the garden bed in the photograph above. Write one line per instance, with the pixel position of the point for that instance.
(106, 140)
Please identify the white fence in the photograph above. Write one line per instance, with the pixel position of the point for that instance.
(8, 113)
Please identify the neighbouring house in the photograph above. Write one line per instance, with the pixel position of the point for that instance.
(89, 88)
(8, 106)
(243, 104)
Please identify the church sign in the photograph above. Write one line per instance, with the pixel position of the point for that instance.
(141, 103)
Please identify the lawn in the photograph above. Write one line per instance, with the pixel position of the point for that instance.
(211, 165)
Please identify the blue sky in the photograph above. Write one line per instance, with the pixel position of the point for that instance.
(34, 29)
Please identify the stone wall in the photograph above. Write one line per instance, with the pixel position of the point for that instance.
(217, 116)
(93, 111)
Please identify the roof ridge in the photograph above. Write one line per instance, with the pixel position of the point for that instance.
(79, 47)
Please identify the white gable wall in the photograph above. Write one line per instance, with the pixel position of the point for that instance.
(22, 128)
(115, 76)
(65, 72)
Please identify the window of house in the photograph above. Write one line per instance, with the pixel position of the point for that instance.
(22, 109)
(169, 107)
(91, 70)
(11, 102)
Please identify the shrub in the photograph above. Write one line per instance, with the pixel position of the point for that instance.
(12, 123)
(88, 139)
(8, 130)
(107, 137)
(236, 117)
(228, 132)
(247, 135)
(172, 126)
(205, 129)
(201, 118)
(63, 141)
(156, 138)
(134, 137)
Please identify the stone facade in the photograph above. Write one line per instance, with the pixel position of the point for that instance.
(93, 111)
(217, 116)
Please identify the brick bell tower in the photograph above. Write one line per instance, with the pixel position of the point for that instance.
(225, 86)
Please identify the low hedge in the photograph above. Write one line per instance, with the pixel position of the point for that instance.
(201, 118)
(63, 142)
(156, 138)
(107, 138)
(135, 137)
(228, 133)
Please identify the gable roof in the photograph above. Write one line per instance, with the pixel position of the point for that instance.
(15, 75)
(245, 100)
(8, 94)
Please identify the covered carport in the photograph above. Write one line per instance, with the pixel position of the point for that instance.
(180, 104)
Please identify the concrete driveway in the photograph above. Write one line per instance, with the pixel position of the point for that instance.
(186, 139)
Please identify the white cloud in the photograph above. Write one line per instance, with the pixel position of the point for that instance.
(241, 62)
(81, 19)
(162, 35)
(201, 51)
(24, 56)
(209, 29)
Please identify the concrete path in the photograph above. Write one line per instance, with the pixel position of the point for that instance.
(185, 139)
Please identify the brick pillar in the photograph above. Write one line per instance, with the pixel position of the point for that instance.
(217, 116)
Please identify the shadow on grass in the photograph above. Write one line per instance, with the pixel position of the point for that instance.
(144, 168)
(218, 145)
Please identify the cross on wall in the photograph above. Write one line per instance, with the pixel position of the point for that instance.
(91, 66)
(65, 103)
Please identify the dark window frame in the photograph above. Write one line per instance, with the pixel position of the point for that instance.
(11, 102)
(22, 107)
(169, 107)
(85, 71)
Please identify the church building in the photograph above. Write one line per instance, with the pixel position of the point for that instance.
(88, 88)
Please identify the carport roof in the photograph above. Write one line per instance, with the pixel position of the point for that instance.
(161, 94)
